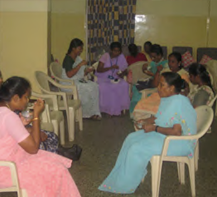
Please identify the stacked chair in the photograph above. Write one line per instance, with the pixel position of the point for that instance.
(67, 102)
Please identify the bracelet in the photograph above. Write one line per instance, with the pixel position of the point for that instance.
(35, 119)
(156, 128)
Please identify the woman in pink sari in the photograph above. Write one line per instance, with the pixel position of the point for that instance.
(40, 173)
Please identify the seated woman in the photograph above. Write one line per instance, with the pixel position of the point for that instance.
(203, 93)
(147, 49)
(139, 147)
(49, 140)
(157, 63)
(41, 173)
(74, 68)
(150, 105)
(113, 89)
(134, 56)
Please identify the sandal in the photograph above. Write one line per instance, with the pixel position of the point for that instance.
(96, 117)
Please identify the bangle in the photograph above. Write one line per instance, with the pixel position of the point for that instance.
(156, 128)
(35, 119)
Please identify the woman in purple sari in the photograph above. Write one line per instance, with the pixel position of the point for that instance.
(113, 89)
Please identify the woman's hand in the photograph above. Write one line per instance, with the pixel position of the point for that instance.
(148, 127)
(38, 107)
(83, 63)
(89, 69)
(159, 68)
(43, 136)
(148, 73)
(115, 67)
(177, 129)
(24, 120)
(145, 67)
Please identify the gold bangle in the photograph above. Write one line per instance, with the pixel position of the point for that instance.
(35, 119)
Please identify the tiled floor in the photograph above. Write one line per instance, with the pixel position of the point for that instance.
(101, 142)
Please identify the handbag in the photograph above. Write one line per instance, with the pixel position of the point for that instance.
(73, 153)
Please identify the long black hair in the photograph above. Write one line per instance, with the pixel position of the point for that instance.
(133, 49)
(175, 80)
(200, 70)
(74, 44)
(13, 86)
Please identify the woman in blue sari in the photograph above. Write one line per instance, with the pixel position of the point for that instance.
(175, 116)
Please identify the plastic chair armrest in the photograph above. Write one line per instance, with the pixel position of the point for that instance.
(64, 80)
(53, 98)
(168, 138)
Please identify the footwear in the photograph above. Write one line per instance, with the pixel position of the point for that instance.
(96, 117)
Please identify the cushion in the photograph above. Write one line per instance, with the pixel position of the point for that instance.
(205, 59)
(187, 59)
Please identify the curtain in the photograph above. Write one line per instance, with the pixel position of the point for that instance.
(109, 21)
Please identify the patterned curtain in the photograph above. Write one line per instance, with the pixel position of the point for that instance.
(109, 21)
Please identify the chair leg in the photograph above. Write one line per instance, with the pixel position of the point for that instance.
(71, 129)
(209, 130)
(192, 176)
(196, 156)
(62, 132)
(55, 126)
(155, 176)
(181, 172)
(178, 169)
(80, 119)
(24, 193)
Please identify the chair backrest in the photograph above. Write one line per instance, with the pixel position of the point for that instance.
(56, 70)
(137, 73)
(211, 52)
(182, 50)
(42, 81)
(164, 48)
(204, 119)
(212, 101)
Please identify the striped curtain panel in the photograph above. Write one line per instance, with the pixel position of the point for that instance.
(109, 21)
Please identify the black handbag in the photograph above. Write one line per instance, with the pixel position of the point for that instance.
(73, 153)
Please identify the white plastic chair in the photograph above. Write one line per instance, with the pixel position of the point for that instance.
(54, 117)
(211, 105)
(204, 120)
(137, 72)
(65, 102)
(56, 72)
(15, 181)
